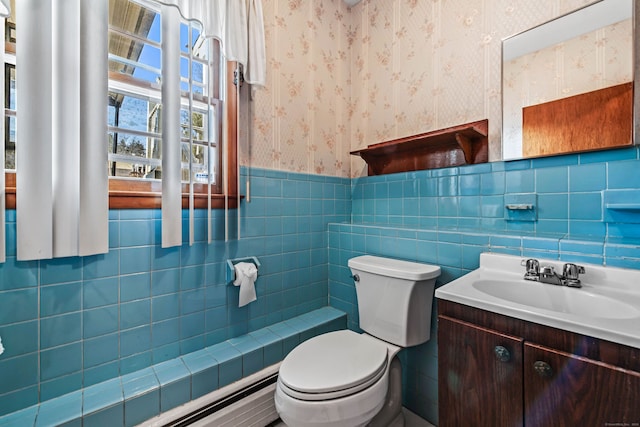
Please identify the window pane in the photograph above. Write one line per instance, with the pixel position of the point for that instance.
(198, 124)
(200, 160)
(10, 143)
(135, 145)
(130, 169)
(134, 112)
(133, 40)
(146, 66)
(10, 87)
(198, 72)
(10, 121)
(199, 54)
(134, 92)
(134, 155)
(184, 35)
(197, 69)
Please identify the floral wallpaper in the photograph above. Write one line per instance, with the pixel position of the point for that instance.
(300, 122)
(342, 78)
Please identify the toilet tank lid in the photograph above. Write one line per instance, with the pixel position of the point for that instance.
(394, 267)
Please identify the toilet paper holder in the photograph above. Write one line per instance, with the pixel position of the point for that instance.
(231, 271)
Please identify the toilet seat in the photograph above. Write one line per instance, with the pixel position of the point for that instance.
(333, 365)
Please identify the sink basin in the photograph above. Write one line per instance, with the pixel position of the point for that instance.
(562, 299)
(607, 306)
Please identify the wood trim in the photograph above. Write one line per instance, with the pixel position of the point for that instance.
(129, 194)
(232, 129)
(10, 190)
(133, 200)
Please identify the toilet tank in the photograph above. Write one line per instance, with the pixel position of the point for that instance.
(394, 298)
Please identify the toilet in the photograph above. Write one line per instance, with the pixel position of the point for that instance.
(344, 378)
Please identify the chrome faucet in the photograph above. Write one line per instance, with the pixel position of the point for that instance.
(548, 275)
(570, 274)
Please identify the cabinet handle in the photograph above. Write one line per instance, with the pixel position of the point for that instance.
(502, 354)
(543, 369)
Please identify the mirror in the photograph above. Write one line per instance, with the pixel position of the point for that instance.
(564, 80)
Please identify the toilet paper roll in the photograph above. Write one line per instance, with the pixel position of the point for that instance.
(246, 275)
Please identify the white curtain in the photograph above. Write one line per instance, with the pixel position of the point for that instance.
(5, 11)
(238, 24)
(256, 66)
(62, 185)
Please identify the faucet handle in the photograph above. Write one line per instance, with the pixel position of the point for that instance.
(532, 266)
(572, 271)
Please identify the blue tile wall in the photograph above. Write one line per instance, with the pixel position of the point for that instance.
(74, 322)
(570, 194)
(461, 213)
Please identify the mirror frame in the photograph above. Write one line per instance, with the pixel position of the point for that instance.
(635, 52)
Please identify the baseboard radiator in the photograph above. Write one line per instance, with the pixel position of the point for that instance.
(245, 403)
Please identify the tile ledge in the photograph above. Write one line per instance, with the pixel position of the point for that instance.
(309, 324)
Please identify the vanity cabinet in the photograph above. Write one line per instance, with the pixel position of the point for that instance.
(494, 370)
(471, 378)
(567, 390)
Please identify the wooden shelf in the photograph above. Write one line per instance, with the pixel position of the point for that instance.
(454, 146)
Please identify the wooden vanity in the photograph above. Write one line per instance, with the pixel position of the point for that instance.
(495, 370)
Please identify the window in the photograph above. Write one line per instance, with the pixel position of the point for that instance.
(134, 140)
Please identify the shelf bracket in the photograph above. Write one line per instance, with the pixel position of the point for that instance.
(466, 145)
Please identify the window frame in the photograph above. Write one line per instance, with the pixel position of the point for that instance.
(147, 194)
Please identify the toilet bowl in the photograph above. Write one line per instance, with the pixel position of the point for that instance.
(336, 379)
(344, 378)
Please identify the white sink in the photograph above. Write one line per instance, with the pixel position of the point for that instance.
(558, 298)
(607, 306)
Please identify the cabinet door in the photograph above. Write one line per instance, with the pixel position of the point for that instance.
(479, 376)
(567, 390)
